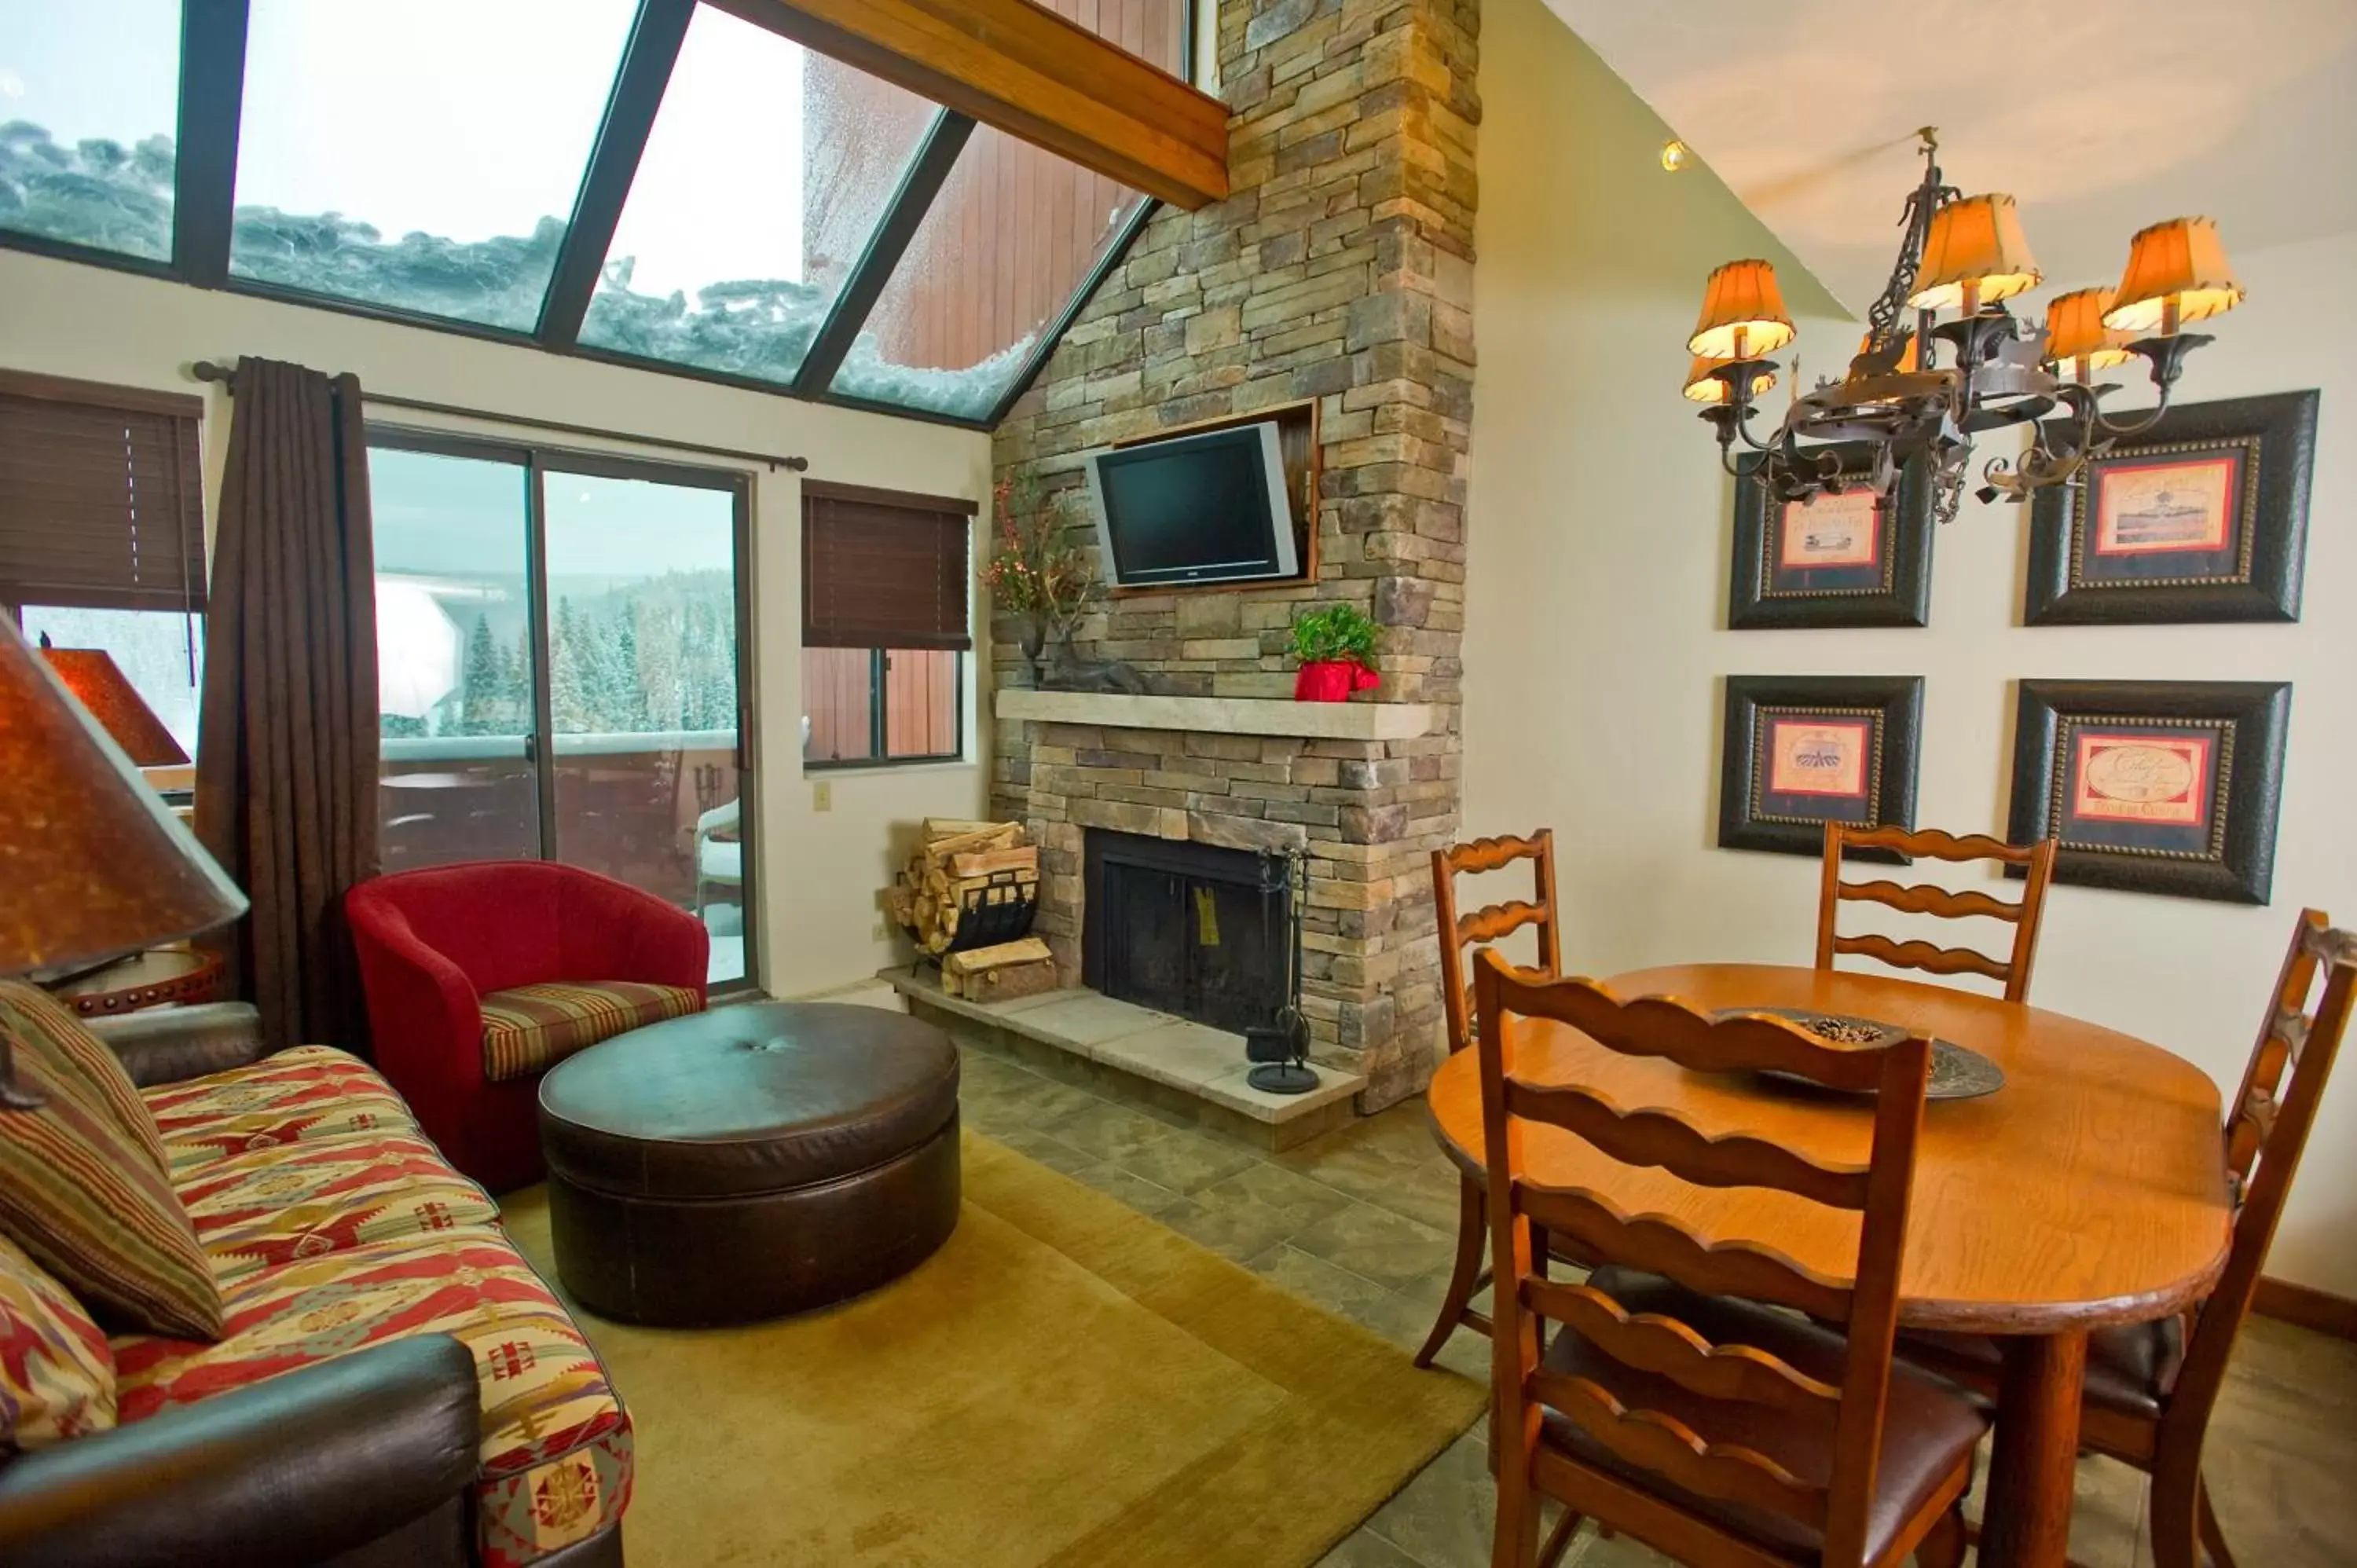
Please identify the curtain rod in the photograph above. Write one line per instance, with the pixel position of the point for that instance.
(205, 371)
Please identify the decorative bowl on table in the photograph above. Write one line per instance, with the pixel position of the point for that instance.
(1958, 1072)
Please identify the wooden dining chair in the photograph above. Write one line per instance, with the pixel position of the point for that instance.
(1479, 928)
(2038, 861)
(1677, 1403)
(2150, 1388)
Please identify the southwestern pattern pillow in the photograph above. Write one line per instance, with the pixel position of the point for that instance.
(83, 1193)
(56, 1376)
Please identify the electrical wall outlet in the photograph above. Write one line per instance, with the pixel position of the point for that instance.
(878, 933)
(823, 795)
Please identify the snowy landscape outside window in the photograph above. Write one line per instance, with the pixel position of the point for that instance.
(638, 775)
(428, 160)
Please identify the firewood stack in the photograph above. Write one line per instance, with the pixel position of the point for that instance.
(960, 868)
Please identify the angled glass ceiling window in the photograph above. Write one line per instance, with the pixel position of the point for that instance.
(89, 101)
(1014, 235)
(767, 170)
(422, 156)
(1153, 30)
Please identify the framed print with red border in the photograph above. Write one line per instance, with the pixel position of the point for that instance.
(2203, 517)
(1800, 751)
(2153, 787)
(1846, 557)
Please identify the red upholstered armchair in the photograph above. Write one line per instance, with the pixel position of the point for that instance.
(483, 975)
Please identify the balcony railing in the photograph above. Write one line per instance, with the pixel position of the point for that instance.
(647, 809)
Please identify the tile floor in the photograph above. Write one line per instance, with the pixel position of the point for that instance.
(1361, 1222)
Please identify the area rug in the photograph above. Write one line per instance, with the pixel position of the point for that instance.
(1066, 1384)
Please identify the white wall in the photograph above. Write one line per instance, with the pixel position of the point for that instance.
(819, 872)
(1595, 644)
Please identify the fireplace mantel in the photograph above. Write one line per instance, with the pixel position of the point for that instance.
(1219, 716)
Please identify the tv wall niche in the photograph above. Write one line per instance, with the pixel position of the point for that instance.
(1298, 443)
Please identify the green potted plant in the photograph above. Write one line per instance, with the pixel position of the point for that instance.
(1336, 645)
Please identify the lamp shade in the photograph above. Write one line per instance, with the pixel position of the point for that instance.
(1743, 315)
(1704, 387)
(2179, 263)
(93, 677)
(1976, 251)
(2075, 333)
(94, 865)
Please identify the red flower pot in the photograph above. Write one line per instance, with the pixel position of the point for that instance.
(1331, 680)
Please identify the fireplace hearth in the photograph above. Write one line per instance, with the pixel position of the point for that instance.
(1194, 929)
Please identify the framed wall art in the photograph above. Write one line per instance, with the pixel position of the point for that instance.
(1847, 559)
(2154, 786)
(1799, 751)
(2201, 518)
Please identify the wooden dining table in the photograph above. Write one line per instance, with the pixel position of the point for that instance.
(2089, 1190)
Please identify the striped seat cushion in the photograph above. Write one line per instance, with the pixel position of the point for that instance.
(57, 1375)
(82, 1186)
(555, 1464)
(530, 1028)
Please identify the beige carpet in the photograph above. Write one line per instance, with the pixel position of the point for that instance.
(1065, 1384)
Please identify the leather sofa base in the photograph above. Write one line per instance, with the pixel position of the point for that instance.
(702, 1263)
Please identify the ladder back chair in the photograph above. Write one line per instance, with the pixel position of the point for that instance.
(1478, 928)
(2151, 1387)
(2037, 861)
(1676, 1404)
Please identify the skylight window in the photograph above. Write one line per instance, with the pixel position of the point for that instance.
(712, 269)
(90, 97)
(1014, 235)
(659, 181)
(379, 162)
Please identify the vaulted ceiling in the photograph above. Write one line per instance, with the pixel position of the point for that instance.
(2099, 116)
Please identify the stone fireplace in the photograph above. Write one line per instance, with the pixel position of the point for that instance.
(1338, 271)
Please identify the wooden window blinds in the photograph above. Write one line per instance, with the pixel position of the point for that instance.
(102, 496)
(882, 569)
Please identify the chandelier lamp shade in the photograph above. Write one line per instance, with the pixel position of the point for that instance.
(2176, 273)
(1943, 360)
(1703, 386)
(2077, 342)
(1974, 255)
(1743, 315)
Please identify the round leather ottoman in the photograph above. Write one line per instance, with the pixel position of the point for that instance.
(748, 1161)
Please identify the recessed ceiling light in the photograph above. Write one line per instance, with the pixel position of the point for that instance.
(1674, 154)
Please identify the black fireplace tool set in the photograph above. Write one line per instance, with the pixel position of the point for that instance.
(1280, 1047)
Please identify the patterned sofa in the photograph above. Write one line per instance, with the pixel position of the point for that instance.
(346, 1250)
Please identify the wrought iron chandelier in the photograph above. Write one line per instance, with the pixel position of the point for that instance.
(1961, 258)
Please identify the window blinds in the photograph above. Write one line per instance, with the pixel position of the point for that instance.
(881, 569)
(100, 497)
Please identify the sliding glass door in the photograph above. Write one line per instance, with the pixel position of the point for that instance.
(560, 642)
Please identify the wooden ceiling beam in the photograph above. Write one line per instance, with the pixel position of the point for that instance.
(1033, 74)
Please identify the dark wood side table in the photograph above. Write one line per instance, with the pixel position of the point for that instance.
(149, 978)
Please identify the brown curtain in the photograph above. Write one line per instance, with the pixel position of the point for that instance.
(286, 746)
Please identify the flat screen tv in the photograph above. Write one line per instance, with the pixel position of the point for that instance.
(1194, 509)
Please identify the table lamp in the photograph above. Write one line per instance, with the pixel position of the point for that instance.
(101, 686)
(93, 862)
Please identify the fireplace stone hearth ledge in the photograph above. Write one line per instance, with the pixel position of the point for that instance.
(1186, 1068)
(1219, 716)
